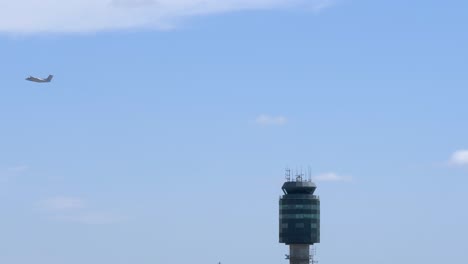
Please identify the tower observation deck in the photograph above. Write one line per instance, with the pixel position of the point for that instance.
(299, 218)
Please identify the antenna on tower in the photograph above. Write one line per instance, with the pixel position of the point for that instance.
(299, 175)
(288, 174)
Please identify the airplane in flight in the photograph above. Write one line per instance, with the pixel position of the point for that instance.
(40, 80)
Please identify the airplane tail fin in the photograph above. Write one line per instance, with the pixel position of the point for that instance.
(49, 78)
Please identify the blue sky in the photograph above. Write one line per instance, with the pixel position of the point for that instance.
(164, 135)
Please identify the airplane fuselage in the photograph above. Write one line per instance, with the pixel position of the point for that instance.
(32, 79)
(39, 80)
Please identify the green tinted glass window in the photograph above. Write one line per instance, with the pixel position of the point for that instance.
(300, 206)
(300, 216)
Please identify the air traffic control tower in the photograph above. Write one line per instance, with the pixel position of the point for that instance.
(299, 218)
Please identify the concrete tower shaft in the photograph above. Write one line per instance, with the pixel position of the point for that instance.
(299, 254)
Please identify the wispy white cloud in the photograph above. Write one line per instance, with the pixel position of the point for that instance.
(32, 16)
(62, 203)
(331, 177)
(12, 172)
(18, 169)
(267, 120)
(91, 218)
(459, 157)
(74, 210)
(133, 3)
